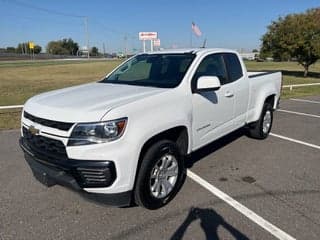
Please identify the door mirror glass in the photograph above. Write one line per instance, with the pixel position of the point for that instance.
(208, 83)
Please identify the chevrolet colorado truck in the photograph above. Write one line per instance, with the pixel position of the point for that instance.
(126, 137)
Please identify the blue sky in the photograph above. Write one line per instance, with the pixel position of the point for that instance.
(229, 24)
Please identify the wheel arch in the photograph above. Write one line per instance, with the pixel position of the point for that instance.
(178, 134)
(269, 98)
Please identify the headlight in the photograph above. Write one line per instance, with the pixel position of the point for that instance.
(100, 132)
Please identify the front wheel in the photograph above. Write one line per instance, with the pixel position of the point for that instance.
(262, 128)
(160, 176)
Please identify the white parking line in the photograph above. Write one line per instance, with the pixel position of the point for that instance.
(298, 113)
(275, 231)
(304, 100)
(295, 141)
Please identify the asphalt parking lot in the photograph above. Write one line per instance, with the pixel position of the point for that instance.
(278, 179)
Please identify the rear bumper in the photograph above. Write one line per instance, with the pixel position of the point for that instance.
(77, 174)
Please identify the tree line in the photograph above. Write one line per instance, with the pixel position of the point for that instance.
(65, 46)
(22, 48)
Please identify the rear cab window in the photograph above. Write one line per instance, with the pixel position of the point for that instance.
(233, 66)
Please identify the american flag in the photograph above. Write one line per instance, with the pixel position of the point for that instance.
(196, 29)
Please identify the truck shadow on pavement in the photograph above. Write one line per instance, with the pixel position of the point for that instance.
(210, 220)
(213, 146)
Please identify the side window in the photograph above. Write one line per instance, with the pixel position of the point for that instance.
(233, 66)
(212, 65)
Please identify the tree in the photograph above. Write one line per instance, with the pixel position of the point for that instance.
(70, 45)
(294, 36)
(10, 50)
(94, 51)
(63, 47)
(37, 49)
(55, 47)
(24, 48)
(255, 51)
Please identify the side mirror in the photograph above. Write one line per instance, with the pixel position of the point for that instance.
(207, 83)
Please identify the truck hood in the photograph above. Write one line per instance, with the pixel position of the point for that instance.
(85, 103)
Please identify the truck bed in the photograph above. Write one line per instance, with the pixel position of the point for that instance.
(257, 74)
(261, 85)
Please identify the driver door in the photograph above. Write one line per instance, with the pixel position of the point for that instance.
(212, 110)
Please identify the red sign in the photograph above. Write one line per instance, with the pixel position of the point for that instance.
(148, 35)
(156, 42)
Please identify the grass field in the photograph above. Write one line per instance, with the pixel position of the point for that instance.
(20, 80)
(292, 74)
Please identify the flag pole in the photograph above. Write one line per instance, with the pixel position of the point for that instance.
(191, 37)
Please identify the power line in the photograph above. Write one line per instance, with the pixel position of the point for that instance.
(17, 16)
(31, 6)
(108, 29)
(84, 18)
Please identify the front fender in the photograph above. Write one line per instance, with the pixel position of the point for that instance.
(148, 117)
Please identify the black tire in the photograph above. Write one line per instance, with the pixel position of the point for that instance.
(255, 130)
(142, 193)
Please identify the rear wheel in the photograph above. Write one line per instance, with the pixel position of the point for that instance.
(262, 128)
(161, 175)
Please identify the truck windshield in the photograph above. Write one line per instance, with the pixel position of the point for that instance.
(155, 70)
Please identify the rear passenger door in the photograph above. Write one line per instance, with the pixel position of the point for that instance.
(240, 88)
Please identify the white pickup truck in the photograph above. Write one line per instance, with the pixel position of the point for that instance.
(126, 137)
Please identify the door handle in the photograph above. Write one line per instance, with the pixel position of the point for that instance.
(228, 94)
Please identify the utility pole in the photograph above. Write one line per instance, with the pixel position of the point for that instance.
(87, 35)
(132, 44)
(104, 50)
(125, 45)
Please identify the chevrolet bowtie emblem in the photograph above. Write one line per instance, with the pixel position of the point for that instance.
(33, 130)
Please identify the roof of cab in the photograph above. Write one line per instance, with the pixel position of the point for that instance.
(191, 50)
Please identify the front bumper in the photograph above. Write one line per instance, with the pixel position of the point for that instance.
(77, 174)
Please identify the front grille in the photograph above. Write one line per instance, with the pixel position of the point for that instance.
(49, 123)
(43, 147)
(95, 177)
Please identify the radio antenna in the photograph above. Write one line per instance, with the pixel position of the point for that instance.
(204, 43)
